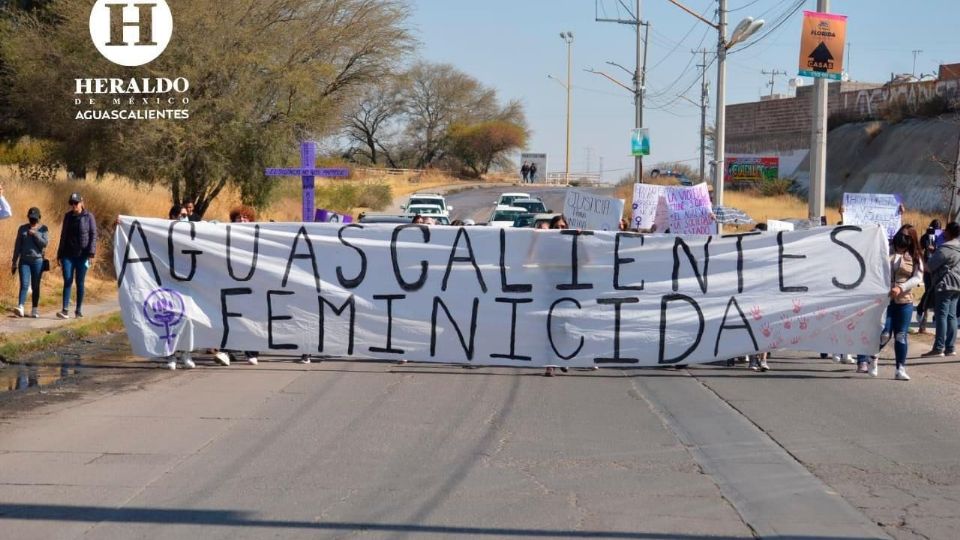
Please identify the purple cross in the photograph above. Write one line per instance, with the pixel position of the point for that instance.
(307, 172)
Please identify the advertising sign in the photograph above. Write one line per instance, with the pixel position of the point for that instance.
(751, 168)
(821, 45)
(640, 142)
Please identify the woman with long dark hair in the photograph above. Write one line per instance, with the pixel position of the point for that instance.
(906, 271)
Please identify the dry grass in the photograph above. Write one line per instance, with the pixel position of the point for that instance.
(106, 198)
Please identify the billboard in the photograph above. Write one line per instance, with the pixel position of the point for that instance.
(821, 45)
(540, 173)
(751, 168)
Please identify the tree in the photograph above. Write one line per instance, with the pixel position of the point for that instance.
(480, 145)
(263, 75)
(371, 122)
(437, 97)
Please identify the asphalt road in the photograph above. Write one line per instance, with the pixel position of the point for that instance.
(374, 450)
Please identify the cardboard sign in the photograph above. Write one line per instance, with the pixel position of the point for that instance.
(873, 209)
(589, 212)
(681, 209)
(821, 45)
(775, 225)
(521, 297)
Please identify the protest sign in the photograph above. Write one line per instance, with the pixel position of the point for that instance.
(482, 295)
(775, 225)
(681, 209)
(586, 211)
(873, 209)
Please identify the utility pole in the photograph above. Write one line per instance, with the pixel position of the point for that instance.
(916, 52)
(848, 60)
(772, 74)
(720, 137)
(567, 37)
(704, 103)
(639, 73)
(818, 152)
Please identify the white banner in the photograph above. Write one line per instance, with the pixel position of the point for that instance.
(681, 209)
(775, 225)
(873, 209)
(586, 211)
(519, 297)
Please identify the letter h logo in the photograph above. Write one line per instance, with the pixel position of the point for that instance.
(144, 23)
(111, 19)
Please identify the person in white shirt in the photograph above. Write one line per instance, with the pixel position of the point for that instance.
(5, 210)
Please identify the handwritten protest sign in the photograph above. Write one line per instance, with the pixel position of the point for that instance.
(682, 209)
(586, 211)
(483, 295)
(873, 209)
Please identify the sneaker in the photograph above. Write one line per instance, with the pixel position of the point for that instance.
(874, 366)
(949, 352)
(933, 353)
(838, 358)
(548, 372)
(35, 313)
(902, 374)
(848, 359)
(63, 314)
(754, 365)
(252, 360)
(79, 314)
(222, 358)
(564, 369)
(764, 366)
(304, 359)
(402, 362)
(863, 367)
(824, 356)
(19, 310)
(171, 364)
(187, 359)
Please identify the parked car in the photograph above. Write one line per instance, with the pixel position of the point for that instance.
(428, 198)
(681, 177)
(532, 205)
(505, 216)
(507, 198)
(431, 210)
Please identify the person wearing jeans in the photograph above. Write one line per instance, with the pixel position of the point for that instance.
(78, 245)
(906, 271)
(944, 266)
(28, 259)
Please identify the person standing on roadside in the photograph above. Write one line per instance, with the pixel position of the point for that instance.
(929, 243)
(78, 246)
(525, 171)
(944, 269)
(906, 271)
(533, 172)
(240, 214)
(28, 258)
(5, 210)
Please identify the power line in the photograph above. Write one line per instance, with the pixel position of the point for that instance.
(743, 7)
(783, 18)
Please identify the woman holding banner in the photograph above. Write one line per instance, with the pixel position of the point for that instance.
(558, 222)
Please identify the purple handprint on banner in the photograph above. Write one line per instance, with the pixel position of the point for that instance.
(164, 308)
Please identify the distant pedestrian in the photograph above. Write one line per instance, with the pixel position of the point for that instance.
(533, 172)
(929, 243)
(5, 209)
(179, 213)
(78, 246)
(28, 250)
(944, 267)
(525, 171)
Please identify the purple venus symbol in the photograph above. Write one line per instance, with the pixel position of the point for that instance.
(164, 308)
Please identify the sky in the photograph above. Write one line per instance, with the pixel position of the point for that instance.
(515, 45)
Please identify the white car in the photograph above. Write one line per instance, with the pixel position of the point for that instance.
(428, 198)
(507, 198)
(503, 216)
(428, 210)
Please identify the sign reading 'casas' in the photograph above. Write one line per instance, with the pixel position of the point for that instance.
(821, 45)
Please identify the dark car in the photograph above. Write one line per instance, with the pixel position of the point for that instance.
(681, 177)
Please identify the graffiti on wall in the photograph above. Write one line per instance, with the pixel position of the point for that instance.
(871, 103)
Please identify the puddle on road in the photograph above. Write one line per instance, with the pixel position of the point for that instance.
(50, 368)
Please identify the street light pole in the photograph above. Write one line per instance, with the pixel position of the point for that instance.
(568, 39)
(720, 131)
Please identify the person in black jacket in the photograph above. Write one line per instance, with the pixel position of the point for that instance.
(78, 245)
(28, 258)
